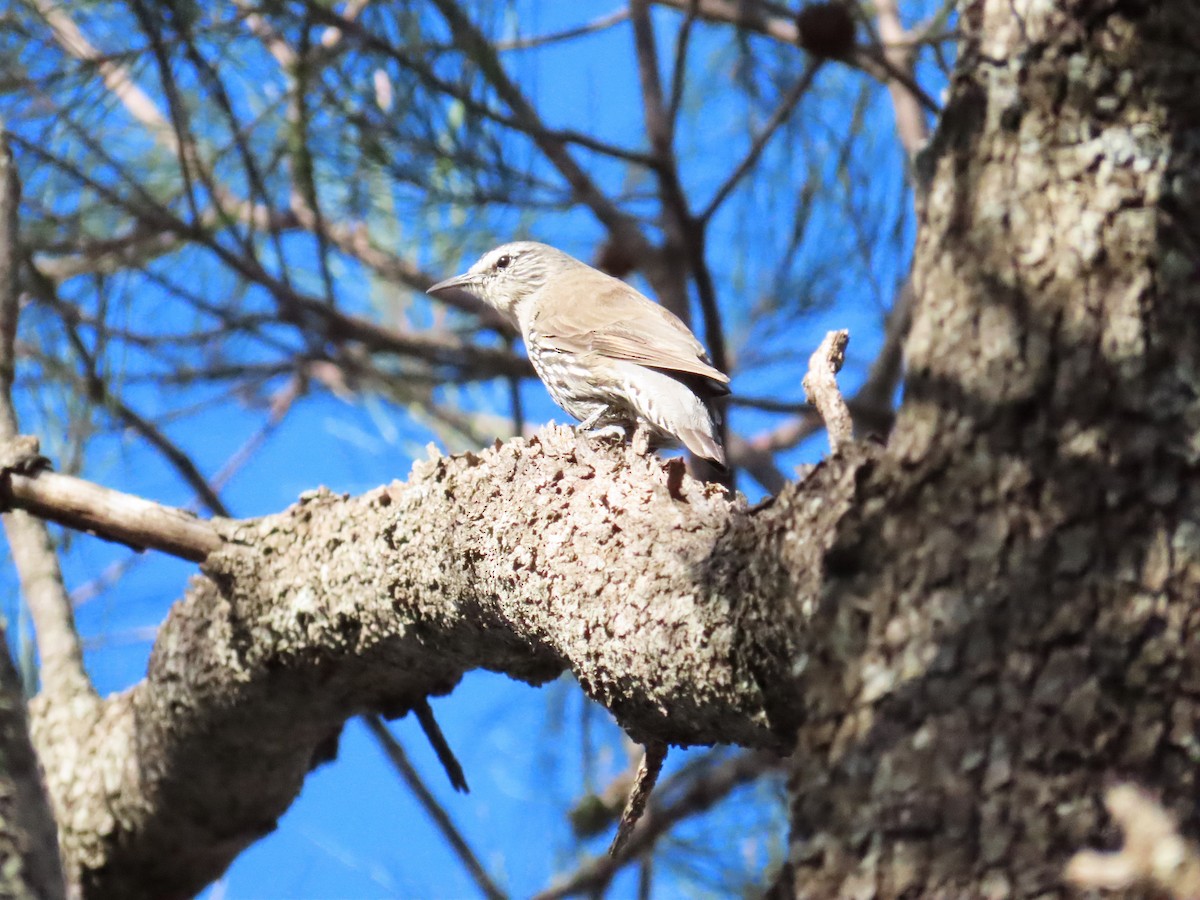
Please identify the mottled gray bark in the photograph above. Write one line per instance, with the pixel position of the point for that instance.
(673, 606)
(1017, 623)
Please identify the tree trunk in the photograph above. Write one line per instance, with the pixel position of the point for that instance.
(1015, 624)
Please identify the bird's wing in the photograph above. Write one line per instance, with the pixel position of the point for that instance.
(618, 322)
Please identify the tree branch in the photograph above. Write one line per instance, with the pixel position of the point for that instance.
(698, 795)
(28, 843)
(412, 778)
(622, 227)
(759, 144)
(753, 17)
(821, 386)
(111, 515)
(42, 584)
(557, 555)
(911, 126)
(653, 757)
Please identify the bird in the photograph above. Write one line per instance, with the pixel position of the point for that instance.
(610, 356)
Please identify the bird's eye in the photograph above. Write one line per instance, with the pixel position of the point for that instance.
(504, 262)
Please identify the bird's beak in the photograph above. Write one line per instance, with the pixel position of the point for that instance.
(464, 281)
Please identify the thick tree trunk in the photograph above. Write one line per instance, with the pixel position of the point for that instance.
(1018, 624)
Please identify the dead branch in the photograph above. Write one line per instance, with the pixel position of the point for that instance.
(698, 793)
(109, 514)
(643, 784)
(820, 384)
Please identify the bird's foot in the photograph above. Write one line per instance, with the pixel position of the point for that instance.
(607, 431)
(641, 440)
(615, 433)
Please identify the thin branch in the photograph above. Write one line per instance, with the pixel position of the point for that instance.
(349, 239)
(111, 515)
(704, 792)
(305, 192)
(281, 403)
(399, 760)
(643, 784)
(868, 59)
(911, 126)
(748, 16)
(524, 120)
(757, 462)
(441, 747)
(622, 227)
(184, 146)
(42, 585)
(679, 69)
(306, 312)
(685, 233)
(99, 391)
(541, 40)
(820, 384)
(759, 144)
(658, 123)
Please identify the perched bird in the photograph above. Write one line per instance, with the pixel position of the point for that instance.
(611, 357)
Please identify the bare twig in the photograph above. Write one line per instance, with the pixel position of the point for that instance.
(108, 514)
(871, 406)
(820, 385)
(399, 759)
(1154, 852)
(911, 126)
(679, 68)
(30, 848)
(643, 785)
(437, 740)
(42, 585)
(700, 794)
(778, 117)
(752, 17)
(541, 40)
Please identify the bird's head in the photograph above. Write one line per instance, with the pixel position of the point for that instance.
(510, 275)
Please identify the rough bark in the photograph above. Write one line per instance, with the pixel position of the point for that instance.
(1018, 624)
(673, 605)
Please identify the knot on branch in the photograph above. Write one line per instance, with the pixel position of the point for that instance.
(19, 456)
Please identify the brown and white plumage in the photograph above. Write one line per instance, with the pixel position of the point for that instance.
(608, 354)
